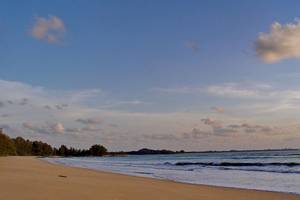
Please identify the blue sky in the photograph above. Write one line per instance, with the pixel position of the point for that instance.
(163, 62)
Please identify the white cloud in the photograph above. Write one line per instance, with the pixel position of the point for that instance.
(18, 93)
(282, 42)
(48, 113)
(49, 29)
(48, 128)
(233, 90)
(179, 90)
(244, 99)
(260, 98)
(58, 128)
(95, 125)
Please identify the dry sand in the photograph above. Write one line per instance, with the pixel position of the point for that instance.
(28, 178)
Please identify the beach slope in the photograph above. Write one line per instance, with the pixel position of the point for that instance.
(28, 178)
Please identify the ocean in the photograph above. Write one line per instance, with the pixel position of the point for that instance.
(267, 170)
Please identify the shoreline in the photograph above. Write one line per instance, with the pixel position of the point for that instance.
(34, 178)
(167, 180)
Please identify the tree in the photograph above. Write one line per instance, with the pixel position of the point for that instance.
(63, 150)
(23, 147)
(41, 149)
(20, 146)
(97, 150)
(47, 150)
(7, 146)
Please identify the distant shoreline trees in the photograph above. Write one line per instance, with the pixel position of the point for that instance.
(7, 146)
(21, 147)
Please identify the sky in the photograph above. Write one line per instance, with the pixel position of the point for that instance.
(192, 75)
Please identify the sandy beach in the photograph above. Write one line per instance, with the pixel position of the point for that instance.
(28, 178)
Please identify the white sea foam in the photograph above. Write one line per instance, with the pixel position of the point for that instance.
(263, 170)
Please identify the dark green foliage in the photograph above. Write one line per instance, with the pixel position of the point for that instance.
(41, 149)
(7, 147)
(63, 150)
(22, 147)
(97, 150)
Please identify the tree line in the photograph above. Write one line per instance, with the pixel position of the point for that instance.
(20, 147)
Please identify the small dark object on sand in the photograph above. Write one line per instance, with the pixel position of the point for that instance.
(62, 176)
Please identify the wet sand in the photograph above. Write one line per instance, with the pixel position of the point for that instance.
(28, 178)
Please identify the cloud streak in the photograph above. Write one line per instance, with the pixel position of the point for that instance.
(90, 121)
(234, 90)
(218, 129)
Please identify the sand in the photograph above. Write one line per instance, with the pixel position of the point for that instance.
(28, 178)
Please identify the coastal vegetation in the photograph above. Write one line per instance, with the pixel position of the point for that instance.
(21, 147)
(7, 146)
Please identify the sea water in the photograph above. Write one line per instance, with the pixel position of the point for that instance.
(261, 170)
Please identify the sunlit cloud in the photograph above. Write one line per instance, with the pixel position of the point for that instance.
(282, 42)
(48, 128)
(51, 29)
